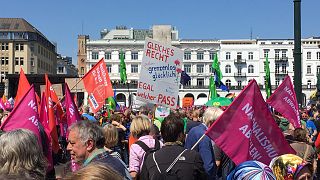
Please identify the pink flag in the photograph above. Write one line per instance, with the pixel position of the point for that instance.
(284, 100)
(247, 130)
(71, 109)
(45, 123)
(24, 115)
(2, 106)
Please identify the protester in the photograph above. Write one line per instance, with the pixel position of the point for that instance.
(195, 120)
(224, 164)
(116, 121)
(86, 142)
(189, 164)
(289, 166)
(140, 129)
(95, 171)
(301, 146)
(111, 135)
(22, 155)
(252, 170)
(205, 147)
(310, 126)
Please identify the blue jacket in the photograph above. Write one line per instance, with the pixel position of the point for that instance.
(204, 147)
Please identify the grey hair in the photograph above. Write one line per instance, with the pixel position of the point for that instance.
(21, 154)
(210, 115)
(89, 130)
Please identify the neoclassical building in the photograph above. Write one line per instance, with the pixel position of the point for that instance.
(240, 60)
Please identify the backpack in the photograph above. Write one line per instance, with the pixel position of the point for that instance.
(147, 149)
(167, 174)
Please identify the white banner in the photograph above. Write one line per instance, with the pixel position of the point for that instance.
(160, 74)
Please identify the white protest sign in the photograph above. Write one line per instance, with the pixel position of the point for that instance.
(160, 74)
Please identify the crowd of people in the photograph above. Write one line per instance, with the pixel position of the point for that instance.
(130, 144)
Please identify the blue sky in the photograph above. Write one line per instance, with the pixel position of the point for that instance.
(61, 20)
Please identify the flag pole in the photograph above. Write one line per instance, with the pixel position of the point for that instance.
(198, 141)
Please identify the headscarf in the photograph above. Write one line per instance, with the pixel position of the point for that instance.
(287, 166)
(253, 170)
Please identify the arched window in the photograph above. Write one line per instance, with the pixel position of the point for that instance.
(309, 84)
(228, 69)
(228, 83)
(250, 69)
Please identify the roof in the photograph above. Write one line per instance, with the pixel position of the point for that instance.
(16, 25)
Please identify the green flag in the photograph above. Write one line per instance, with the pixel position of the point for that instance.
(213, 90)
(268, 81)
(216, 68)
(123, 71)
(111, 103)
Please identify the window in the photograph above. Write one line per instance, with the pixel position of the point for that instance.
(5, 46)
(124, 55)
(266, 53)
(82, 70)
(284, 54)
(16, 61)
(250, 69)
(19, 47)
(308, 55)
(109, 68)
(228, 55)
(32, 62)
(309, 69)
(187, 55)
(239, 83)
(211, 55)
(60, 69)
(250, 56)
(200, 82)
(134, 68)
(318, 70)
(6, 60)
(2, 60)
(277, 68)
(95, 55)
(318, 55)
(277, 81)
(200, 68)
(187, 68)
(200, 55)
(277, 54)
(134, 55)
(21, 61)
(284, 68)
(265, 65)
(210, 69)
(309, 84)
(228, 83)
(107, 55)
(228, 69)
(239, 55)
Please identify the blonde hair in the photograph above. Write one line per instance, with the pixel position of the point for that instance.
(111, 135)
(211, 114)
(140, 126)
(95, 171)
(21, 154)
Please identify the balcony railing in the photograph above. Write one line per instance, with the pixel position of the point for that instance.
(281, 59)
(281, 72)
(240, 61)
(240, 75)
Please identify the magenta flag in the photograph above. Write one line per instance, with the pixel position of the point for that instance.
(284, 100)
(71, 109)
(2, 106)
(24, 115)
(247, 131)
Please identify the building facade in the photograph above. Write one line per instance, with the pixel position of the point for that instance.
(23, 46)
(240, 60)
(65, 66)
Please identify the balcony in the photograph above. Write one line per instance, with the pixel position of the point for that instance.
(240, 61)
(124, 86)
(195, 87)
(281, 73)
(240, 75)
(281, 59)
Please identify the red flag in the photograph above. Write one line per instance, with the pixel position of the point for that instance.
(284, 100)
(247, 130)
(23, 87)
(50, 98)
(71, 109)
(24, 115)
(45, 123)
(98, 85)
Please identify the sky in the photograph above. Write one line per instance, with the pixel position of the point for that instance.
(62, 21)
